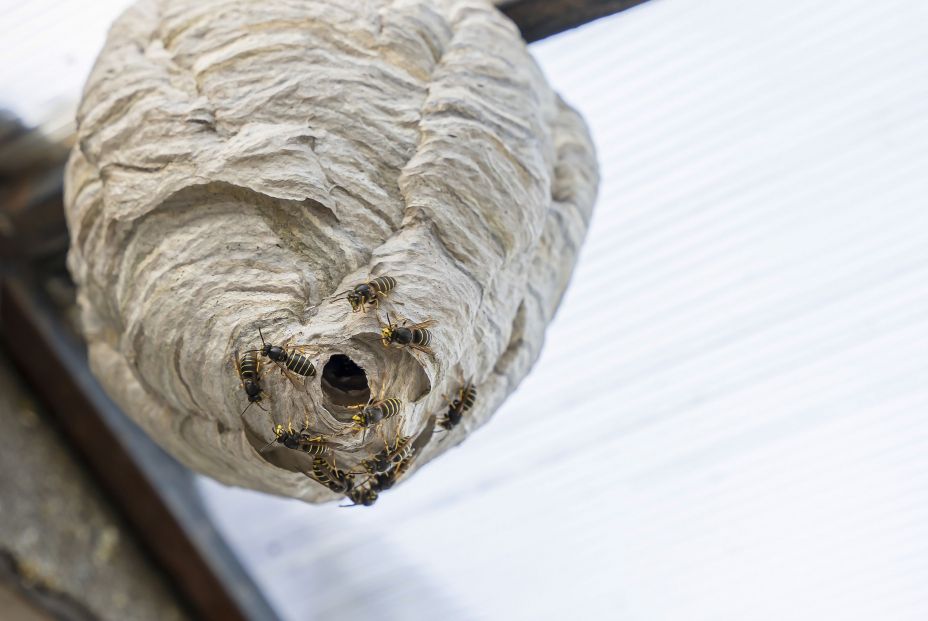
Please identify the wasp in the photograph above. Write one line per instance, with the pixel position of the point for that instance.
(385, 480)
(329, 475)
(369, 292)
(378, 463)
(365, 494)
(391, 464)
(300, 440)
(376, 410)
(388, 457)
(288, 359)
(464, 401)
(402, 452)
(415, 336)
(249, 374)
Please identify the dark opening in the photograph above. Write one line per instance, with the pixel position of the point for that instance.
(344, 382)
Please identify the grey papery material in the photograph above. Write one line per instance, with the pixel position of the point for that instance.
(240, 164)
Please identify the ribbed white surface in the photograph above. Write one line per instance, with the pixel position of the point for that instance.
(746, 337)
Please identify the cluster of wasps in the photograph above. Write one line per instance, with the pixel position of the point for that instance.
(381, 470)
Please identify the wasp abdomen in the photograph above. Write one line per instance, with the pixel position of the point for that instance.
(249, 368)
(330, 476)
(313, 446)
(421, 337)
(300, 364)
(382, 284)
(468, 396)
(464, 402)
(402, 454)
(390, 407)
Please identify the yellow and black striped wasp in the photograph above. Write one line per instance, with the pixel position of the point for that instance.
(456, 408)
(388, 466)
(386, 480)
(337, 480)
(248, 367)
(369, 490)
(368, 292)
(388, 456)
(299, 440)
(365, 494)
(416, 336)
(288, 359)
(375, 410)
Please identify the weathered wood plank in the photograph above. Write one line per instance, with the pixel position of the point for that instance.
(152, 491)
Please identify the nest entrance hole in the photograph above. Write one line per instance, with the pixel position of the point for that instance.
(344, 382)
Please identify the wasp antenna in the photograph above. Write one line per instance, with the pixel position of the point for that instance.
(250, 403)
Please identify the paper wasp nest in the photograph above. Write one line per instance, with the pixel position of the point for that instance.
(241, 164)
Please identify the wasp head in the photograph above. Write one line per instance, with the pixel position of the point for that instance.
(386, 334)
(253, 390)
(371, 415)
(359, 295)
(366, 497)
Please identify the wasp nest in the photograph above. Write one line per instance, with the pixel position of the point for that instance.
(244, 166)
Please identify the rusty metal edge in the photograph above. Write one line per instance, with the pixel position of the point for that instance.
(539, 19)
(153, 492)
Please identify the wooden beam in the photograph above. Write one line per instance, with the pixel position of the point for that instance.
(151, 490)
(538, 19)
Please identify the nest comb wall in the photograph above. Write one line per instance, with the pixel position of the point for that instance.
(242, 165)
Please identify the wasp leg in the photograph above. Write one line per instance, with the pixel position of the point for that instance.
(262, 370)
